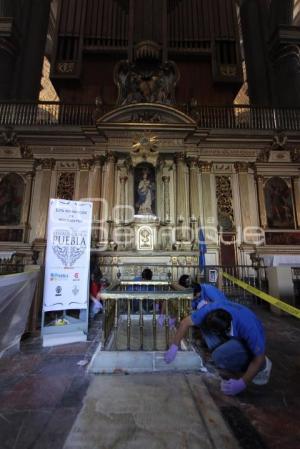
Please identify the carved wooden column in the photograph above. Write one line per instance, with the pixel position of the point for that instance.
(296, 188)
(261, 201)
(182, 206)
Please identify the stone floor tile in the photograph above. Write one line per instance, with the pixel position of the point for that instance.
(75, 394)
(20, 429)
(58, 365)
(57, 429)
(35, 392)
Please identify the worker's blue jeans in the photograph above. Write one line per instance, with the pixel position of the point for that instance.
(231, 354)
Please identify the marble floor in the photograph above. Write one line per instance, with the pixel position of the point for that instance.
(43, 392)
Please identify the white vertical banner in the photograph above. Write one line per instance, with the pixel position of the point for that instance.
(67, 255)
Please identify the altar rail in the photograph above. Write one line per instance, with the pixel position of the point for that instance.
(132, 310)
(8, 266)
(255, 276)
(210, 117)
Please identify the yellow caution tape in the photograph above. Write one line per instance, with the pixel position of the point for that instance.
(265, 296)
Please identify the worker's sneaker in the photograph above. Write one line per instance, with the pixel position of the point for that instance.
(263, 376)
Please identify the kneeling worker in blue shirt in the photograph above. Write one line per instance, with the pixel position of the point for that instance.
(237, 341)
(205, 294)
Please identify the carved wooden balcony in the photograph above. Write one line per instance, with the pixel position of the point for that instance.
(242, 117)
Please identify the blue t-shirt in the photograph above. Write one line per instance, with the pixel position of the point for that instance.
(208, 293)
(245, 325)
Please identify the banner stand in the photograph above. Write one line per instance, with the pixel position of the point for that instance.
(66, 283)
(64, 328)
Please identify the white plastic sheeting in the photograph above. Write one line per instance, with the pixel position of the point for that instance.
(277, 260)
(16, 295)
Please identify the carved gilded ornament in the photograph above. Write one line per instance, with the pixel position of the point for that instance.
(67, 165)
(261, 180)
(180, 157)
(241, 167)
(228, 70)
(224, 202)
(65, 67)
(193, 163)
(206, 167)
(263, 156)
(10, 137)
(66, 185)
(280, 141)
(26, 152)
(45, 164)
(146, 82)
(29, 175)
(145, 238)
(227, 153)
(123, 179)
(279, 156)
(144, 149)
(222, 167)
(99, 161)
(295, 155)
(85, 164)
(110, 157)
(9, 152)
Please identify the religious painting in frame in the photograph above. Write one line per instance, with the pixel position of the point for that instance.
(279, 204)
(11, 199)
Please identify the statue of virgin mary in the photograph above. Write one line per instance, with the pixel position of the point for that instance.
(145, 194)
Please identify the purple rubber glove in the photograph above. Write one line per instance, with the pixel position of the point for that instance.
(171, 353)
(161, 320)
(232, 387)
(172, 323)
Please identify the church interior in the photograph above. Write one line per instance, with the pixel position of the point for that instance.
(179, 121)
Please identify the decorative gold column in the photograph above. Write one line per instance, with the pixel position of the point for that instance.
(296, 188)
(120, 236)
(95, 192)
(182, 214)
(84, 167)
(261, 201)
(40, 199)
(208, 197)
(166, 184)
(26, 203)
(108, 195)
(123, 203)
(242, 171)
(194, 189)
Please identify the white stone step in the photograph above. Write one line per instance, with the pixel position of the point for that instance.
(107, 362)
